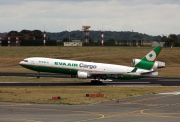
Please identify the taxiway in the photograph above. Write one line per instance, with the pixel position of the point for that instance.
(148, 108)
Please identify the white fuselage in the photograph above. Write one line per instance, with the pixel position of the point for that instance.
(77, 65)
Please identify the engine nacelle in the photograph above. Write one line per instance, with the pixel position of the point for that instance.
(161, 64)
(135, 61)
(82, 75)
(157, 64)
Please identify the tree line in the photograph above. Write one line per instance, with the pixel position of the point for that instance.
(96, 35)
(171, 40)
(28, 38)
(127, 39)
(123, 38)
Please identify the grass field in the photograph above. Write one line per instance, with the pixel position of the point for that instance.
(74, 95)
(11, 56)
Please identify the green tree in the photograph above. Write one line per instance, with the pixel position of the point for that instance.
(91, 42)
(134, 42)
(109, 42)
(13, 33)
(50, 42)
(66, 39)
(23, 32)
(173, 39)
(139, 42)
(124, 42)
(165, 39)
(38, 34)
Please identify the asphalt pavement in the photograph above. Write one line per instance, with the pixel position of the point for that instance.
(163, 107)
(156, 81)
(148, 108)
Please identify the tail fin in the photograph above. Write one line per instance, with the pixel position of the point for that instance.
(147, 62)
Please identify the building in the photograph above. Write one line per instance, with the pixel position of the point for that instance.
(74, 43)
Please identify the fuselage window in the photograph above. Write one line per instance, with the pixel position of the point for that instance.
(44, 62)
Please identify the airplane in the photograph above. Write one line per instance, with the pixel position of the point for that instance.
(145, 67)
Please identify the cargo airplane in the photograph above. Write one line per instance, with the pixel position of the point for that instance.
(145, 67)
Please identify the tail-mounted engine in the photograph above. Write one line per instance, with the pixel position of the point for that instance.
(157, 64)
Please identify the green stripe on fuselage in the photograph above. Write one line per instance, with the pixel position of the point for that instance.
(50, 69)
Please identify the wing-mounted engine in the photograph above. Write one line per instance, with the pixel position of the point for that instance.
(83, 75)
(157, 64)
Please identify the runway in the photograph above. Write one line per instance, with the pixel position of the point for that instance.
(148, 108)
(158, 81)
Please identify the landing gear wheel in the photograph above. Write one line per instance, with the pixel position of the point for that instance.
(96, 82)
(100, 82)
(93, 82)
(38, 75)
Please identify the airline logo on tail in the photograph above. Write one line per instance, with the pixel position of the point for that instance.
(151, 56)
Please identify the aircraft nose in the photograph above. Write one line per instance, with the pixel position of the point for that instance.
(21, 62)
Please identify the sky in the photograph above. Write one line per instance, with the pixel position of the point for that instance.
(152, 17)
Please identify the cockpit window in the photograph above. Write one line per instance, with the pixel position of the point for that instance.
(25, 60)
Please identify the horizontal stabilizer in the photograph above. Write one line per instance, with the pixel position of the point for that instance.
(152, 73)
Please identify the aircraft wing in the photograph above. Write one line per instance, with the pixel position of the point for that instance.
(150, 73)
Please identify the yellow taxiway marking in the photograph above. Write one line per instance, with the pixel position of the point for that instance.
(101, 117)
(139, 112)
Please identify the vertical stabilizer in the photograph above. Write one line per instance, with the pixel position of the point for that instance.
(147, 61)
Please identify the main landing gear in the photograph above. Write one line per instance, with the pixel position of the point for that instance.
(96, 82)
(38, 75)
